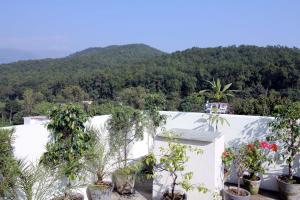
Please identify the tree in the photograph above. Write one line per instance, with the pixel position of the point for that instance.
(29, 101)
(126, 127)
(193, 103)
(286, 130)
(12, 107)
(69, 142)
(217, 91)
(134, 97)
(73, 94)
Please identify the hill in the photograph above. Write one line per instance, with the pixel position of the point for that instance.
(263, 76)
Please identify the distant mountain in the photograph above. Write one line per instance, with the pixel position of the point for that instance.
(118, 54)
(13, 55)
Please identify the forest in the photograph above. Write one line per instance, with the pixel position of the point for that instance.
(262, 77)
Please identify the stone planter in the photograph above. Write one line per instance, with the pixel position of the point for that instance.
(100, 192)
(288, 191)
(124, 183)
(251, 185)
(230, 193)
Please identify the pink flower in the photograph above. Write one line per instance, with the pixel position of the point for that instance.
(265, 145)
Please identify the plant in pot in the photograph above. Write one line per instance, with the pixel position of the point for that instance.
(286, 131)
(126, 126)
(67, 147)
(227, 161)
(99, 163)
(238, 166)
(173, 160)
(256, 155)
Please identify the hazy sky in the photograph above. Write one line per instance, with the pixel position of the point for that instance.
(72, 25)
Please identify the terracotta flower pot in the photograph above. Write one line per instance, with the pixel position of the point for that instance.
(252, 185)
(289, 191)
(231, 193)
(100, 192)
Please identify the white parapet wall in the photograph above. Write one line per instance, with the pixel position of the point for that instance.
(31, 139)
(206, 167)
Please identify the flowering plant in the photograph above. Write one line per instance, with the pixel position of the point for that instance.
(227, 159)
(255, 156)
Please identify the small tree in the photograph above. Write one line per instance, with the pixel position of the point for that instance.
(68, 142)
(286, 131)
(173, 160)
(217, 91)
(154, 103)
(126, 127)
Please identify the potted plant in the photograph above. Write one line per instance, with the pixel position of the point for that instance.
(99, 162)
(126, 126)
(255, 158)
(227, 160)
(67, 146)
(173, 160)
(286, 130)
(237, 193)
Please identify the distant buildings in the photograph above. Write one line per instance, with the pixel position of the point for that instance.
(220, 108)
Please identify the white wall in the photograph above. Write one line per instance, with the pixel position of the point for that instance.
(31, 139)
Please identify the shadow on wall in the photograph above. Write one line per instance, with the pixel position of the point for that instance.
(257, 129)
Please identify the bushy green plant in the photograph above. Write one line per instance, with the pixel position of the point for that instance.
(69, 142)
(9, 170)
(126, 126)
(286, 130)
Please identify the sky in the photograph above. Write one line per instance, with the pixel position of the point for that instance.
(65, 26)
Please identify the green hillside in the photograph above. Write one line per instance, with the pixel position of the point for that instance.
(263, 76)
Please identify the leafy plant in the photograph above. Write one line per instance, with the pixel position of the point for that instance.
(69, 142)
(173, 160)
(99, 161)
(9, 170)
(286, 130)
(256, 155)
(217, 91)
(37, 183)
(126, 126)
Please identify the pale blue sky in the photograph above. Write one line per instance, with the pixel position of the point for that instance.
(72, 25)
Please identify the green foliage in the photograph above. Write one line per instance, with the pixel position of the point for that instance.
(69, 142)
(217, 91)
(173, 160)
(193, 103)
(73, 94)
(9, 170)
(286, 131)
(102, 108)
(99, 159)
(103, 73)
(126, 126)
(42, 108)
(134, 97)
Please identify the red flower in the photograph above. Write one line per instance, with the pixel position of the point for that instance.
(225, 154)
(274, 147)
(250, 147)
(265, 145)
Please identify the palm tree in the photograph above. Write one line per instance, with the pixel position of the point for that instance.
(217, 91)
